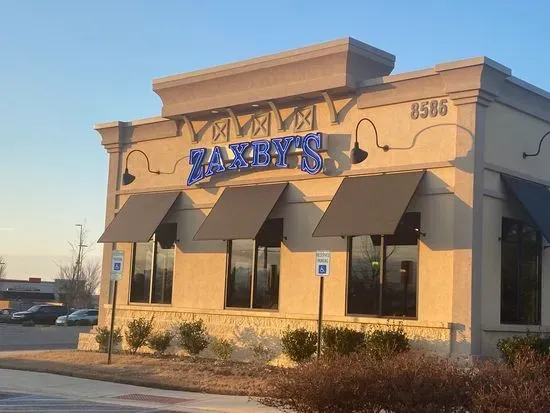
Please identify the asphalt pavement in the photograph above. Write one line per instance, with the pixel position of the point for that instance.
(15, 337)
(30, 392)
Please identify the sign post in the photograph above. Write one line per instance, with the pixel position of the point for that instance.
(117, 263)
(322, 269)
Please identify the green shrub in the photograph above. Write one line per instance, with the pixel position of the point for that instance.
(160, 341)
(509, 348)
(192, 336)
(137, 333)
(387, 343)
(222, 348)
(299, 344)
(342, 341)
(102, 338)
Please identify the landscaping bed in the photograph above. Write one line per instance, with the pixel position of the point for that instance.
(168, 372)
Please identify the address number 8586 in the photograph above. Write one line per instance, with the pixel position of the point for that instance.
(431, 108)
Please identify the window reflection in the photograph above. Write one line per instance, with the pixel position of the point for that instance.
(154, 259)
(240, 273)
(253, 276)
(521, 249)
(399, 281)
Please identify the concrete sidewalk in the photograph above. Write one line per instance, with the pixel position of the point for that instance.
(47, 391)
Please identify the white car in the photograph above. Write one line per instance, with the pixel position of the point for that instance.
(85, 317)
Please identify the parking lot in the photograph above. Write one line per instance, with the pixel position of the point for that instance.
(40, 337)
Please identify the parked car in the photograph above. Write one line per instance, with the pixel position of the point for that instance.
(39, 314)
(84, 317)
(5, 314)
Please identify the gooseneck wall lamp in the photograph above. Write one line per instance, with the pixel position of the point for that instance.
(357, 154)
(526, 155)
(128, 178)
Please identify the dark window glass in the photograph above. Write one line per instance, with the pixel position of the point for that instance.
(154, 260)
(253, 277)
(141, 276)
(392, 293)
(241, 258)
(164, 264)
(521, 248)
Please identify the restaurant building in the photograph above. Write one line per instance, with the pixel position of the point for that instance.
(222, 201)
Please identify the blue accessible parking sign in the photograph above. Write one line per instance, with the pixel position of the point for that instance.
(322, 263)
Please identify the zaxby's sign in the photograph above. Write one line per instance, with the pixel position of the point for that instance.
(257, 154)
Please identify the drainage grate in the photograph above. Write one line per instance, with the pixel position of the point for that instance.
(140, 397)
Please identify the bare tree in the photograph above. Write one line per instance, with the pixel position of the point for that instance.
(79, 278)
(3, 268)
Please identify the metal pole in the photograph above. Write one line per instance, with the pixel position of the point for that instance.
(76, 277)
(112, 324)
(381, 277)
(320, 320)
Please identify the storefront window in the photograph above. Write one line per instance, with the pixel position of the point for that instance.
(153, 267)
(253, 277)
(393, 293)
(521, 249)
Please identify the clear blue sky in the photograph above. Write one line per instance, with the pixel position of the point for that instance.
(66, 65)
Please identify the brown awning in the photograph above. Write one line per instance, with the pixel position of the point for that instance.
(368, 205)
(139, 217)
(536, 200)
(240, 212)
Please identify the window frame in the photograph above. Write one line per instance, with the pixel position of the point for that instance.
(519, 274)
(349, 260)
(254, 273)
(152, 273)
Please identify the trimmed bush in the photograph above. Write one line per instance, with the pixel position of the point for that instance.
(360, 383)
(520, 387)
(409, 383)
(342, 341)
(509, 348)
(192, 336)
(137, 333)
(102, 338)
(222, 348)
(299, 344)
(387, 343)
(159, 342)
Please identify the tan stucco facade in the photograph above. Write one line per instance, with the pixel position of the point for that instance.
(490, 119)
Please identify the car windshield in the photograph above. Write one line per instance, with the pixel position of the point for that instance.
(78, 312)
(34, 309)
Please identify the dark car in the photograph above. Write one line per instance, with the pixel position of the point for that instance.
(39, 314)
(5, 314)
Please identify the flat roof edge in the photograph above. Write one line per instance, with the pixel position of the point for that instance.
(302, 53)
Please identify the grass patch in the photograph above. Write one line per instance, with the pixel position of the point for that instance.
(169, 372)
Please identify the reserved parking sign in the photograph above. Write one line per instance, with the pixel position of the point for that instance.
(117, 263)
(322, 263)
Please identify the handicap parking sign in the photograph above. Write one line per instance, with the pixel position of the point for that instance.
(322, 263)
(116, 265)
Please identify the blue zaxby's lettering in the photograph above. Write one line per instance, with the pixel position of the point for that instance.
(257, 154)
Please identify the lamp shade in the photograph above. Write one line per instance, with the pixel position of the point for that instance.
(127, 177)
(357, 154)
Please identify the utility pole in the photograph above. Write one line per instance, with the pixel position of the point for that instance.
(76, 278)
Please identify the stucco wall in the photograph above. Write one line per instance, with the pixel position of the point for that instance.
(200, 267)
(509, 133)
